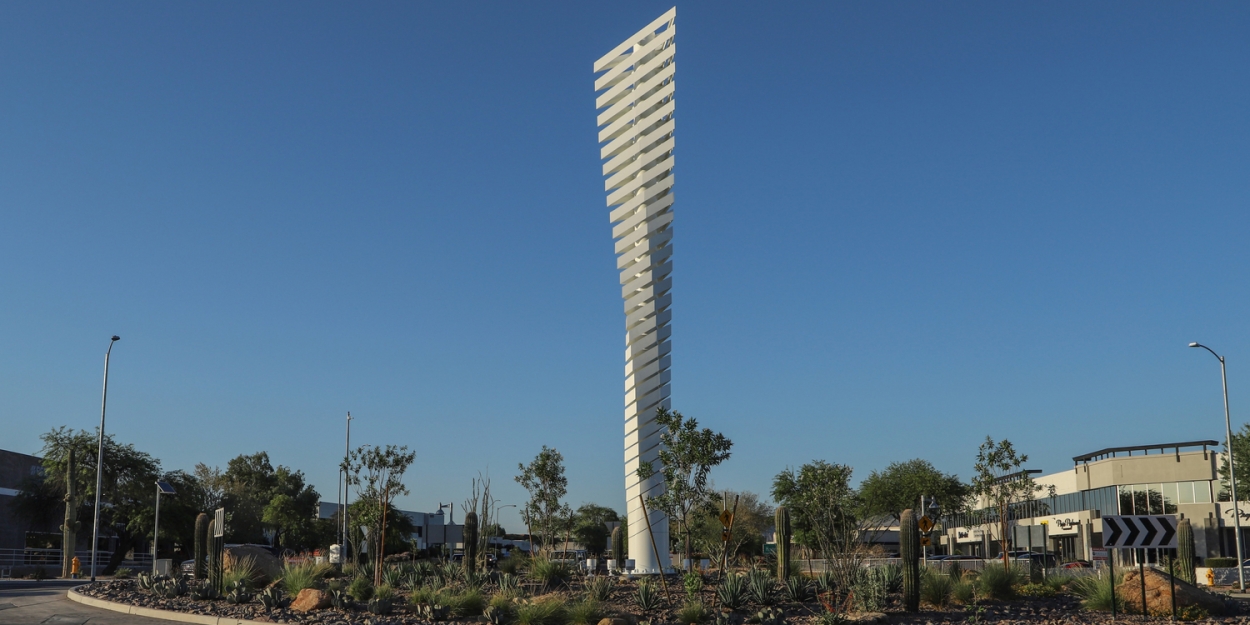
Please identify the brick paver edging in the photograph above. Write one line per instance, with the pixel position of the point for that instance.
(181, 617)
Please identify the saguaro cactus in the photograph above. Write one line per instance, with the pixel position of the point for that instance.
(781, 519)
(470, 541)
(201, 545)
(69, 529)
(1185, 551)
(618, 545)
(909, 552)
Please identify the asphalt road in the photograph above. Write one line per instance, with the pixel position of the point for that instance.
(32, 603)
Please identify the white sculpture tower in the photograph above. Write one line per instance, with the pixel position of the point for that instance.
(635, 100)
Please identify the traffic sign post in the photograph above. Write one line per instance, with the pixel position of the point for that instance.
(1139, 531)
(926, 524)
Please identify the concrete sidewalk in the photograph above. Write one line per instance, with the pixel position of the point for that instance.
(33, 603)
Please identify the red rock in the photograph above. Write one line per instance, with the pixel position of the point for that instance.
(310, 599)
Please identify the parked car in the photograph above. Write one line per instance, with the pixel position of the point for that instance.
(1078, 564)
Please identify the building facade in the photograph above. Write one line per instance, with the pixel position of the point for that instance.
(1169, 478)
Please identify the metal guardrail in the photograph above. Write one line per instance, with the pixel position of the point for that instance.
(52, 558)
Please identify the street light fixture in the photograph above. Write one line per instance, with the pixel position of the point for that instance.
(1232, 475)
(99, 461)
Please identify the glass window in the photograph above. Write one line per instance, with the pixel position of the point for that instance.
(1140, 505)
(1154, 497)
(1169, 498)
(1202, 492)
(1186, 492)
(1126, 499)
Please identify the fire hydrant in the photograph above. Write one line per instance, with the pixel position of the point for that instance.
(75, 567)
(1210, 577)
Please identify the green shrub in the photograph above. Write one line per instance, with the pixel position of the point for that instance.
(1096, 592)
(300, 576)
(513, 564)
(1221, 563)
(935, 589)
(550, 573)
(1036, 590)
(962, 592)
(240, 570)
(1058, 582)
(394, 576)
(996, 582)
(797, 588)
(1192, 613)
(361, 589)
(123, 573)
(598, 587)
(503, 603)
(467, 604)
(872, 589)
(693, 583)
(692, 612)
(585, 612)
(545, 612)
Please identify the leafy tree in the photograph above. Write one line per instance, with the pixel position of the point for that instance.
(825, 515)
(544, 480)
(1241, 456)
(687, 454)
(1000, 480)
(901, 485)
(399, 528)
(259, 497)
(378, 474)
(590, 526)
(129, 485)
(752, 518)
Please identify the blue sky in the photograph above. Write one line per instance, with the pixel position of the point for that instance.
(900, 227)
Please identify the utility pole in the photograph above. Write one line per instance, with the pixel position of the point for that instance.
(346, 487)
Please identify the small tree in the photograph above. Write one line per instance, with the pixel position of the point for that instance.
(590, 527)
(378, 473)
(545, 481)
(687, 454)
(826, 516)
(1000, 481)
(901, 485)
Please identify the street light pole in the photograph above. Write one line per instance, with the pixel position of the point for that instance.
(1232, 475)
(99, 461)
(346, 488)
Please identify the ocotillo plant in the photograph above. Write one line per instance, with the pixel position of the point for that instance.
(201, 546)
(618, 546)
(1185, 550)
(470, 541)
(909, 552)
(781, 518)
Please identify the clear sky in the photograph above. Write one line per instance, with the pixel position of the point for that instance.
(900, 227)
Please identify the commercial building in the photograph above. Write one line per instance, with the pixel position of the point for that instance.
(1168, 478)
(430, 529)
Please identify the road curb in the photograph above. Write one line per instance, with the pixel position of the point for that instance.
(165, 615)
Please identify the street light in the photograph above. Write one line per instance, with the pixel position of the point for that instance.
(162, 488)
(1232, 475)
(99, 461)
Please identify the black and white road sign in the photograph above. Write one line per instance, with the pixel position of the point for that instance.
(1139, 531)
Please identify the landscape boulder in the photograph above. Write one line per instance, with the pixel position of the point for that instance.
(614, 621)
(310, 599)
(265, 565)
(1159, 594)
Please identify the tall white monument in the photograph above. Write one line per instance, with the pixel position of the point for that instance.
(635, 100)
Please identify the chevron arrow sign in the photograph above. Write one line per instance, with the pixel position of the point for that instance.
(1155, 531)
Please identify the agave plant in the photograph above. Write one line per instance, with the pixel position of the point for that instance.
(760, 585)
(394, 577)
(598, 587)
(797, 589)
(647, 596)
(732, 592)
(508, 582)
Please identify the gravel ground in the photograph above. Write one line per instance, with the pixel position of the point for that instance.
(1054, 610)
